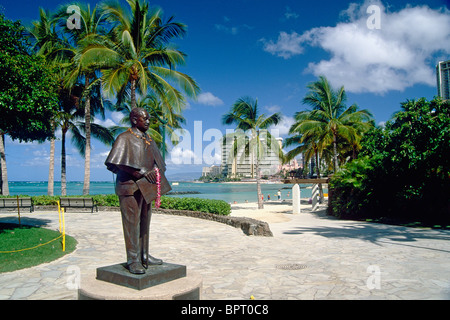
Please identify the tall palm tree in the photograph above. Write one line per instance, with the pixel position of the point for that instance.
(47, 43)
(137, 55)
(245, 115)
(69, 118)
(310, 144)
(331, 117)
(92, 26)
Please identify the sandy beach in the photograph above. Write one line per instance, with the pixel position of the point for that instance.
(273, 212)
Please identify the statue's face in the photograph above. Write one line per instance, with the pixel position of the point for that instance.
(143, 121)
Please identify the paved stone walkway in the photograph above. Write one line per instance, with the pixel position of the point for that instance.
(311, 256)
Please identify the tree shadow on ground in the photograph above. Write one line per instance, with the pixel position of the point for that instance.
(376, 233)
(32, 222)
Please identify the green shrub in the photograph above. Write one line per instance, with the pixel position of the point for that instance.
(403, 169)
(196, 204)
(107, 200)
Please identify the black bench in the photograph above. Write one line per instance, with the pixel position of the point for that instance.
(13, 203)
(76, 202)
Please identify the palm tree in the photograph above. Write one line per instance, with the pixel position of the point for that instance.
(309, 143)
(47, 43)
(137, 55)
(245, 115)
(330, 117)
(69, 118)
(91, 28)
(155, 107)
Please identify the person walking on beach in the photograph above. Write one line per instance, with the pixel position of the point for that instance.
(279, 195)
(139, 166)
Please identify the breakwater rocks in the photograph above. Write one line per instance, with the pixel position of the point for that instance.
(181, 192)
(250, 227)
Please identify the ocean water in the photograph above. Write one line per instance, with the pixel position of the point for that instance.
(229, 192)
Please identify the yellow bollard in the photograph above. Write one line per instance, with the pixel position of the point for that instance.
(64, 231)
(59, 215)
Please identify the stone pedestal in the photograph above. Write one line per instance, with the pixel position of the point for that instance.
(160, 282)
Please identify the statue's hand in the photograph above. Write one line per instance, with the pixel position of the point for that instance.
(151, 176)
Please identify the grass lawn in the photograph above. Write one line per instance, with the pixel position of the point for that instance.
(14, 237)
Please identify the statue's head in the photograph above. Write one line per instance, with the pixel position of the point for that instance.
(140, 119)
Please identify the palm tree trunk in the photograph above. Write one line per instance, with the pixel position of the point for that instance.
(258, 176)
(318, 177)
(133, 94)
(4, 178)
(63, 163)
(335, 158)
(87, 152)
(51, 169)
(258, 186)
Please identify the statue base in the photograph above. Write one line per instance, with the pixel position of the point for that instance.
(160, 282)
(154, 275)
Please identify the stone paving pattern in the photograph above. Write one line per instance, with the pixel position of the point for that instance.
(311, 256)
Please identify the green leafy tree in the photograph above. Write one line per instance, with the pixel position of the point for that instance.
(28, 99)
(404, 168)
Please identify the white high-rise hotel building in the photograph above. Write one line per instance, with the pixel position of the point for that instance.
(243, 164)
(443, 79)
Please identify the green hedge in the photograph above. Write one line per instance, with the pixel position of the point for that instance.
(111, 200)
(196, 204)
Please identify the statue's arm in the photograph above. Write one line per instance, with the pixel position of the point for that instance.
(138, 174)
(131, 171)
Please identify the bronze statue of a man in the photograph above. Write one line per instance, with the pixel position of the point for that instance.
(135, 158)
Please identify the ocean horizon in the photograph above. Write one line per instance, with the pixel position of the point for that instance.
(239, 192)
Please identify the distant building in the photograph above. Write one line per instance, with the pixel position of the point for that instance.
(243, 164)
(291, 165)
(211, 171)
(443, 79)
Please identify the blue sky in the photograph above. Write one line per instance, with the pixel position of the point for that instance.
(270, 51)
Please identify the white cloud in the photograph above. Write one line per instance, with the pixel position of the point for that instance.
(286, 46)
(398, 55)
(117, 116)
(180, 155)
(274, 108)
(105, 123)
(207, 98)
(283, 126)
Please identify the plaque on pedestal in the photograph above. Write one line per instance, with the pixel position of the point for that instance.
(154, 275)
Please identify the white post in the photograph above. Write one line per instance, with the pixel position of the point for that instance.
(315, 197)
(295, 199)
